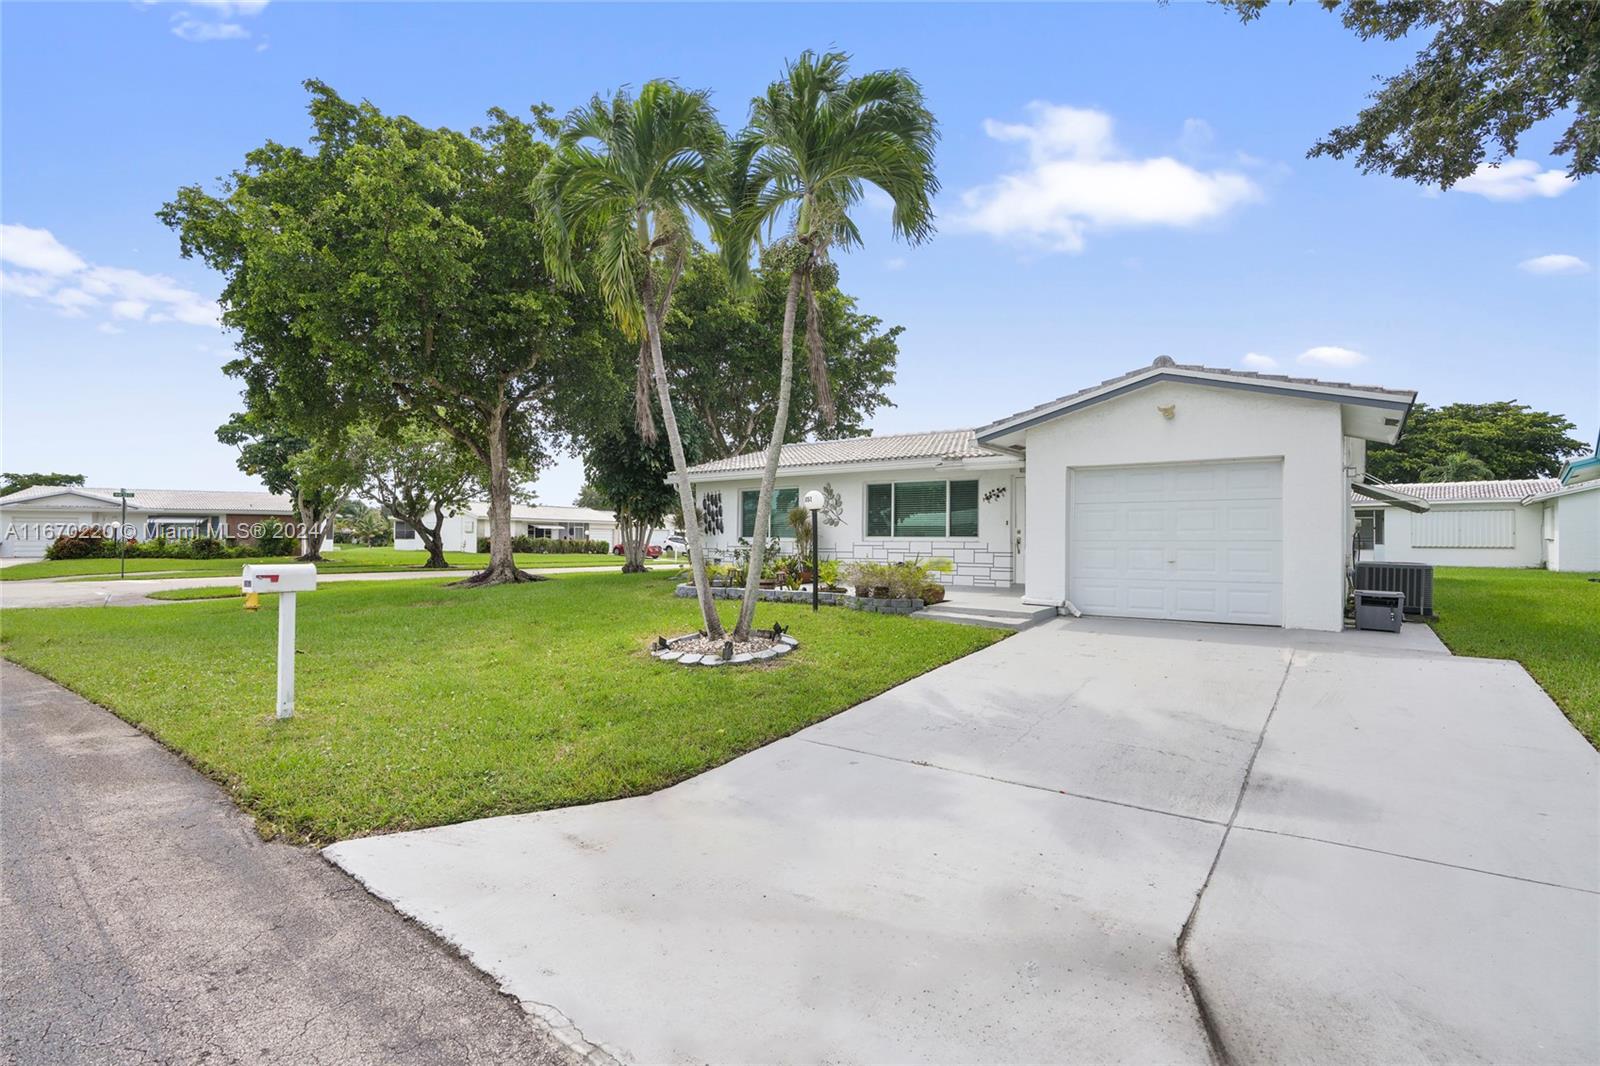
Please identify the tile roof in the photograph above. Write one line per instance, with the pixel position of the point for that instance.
(941, 444)
(1164, 363)
(1469, 491)
(169, 500)
(544, 512)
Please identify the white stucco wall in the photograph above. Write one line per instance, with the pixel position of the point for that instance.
(1575, 522)
(1209, 424)
(984, 560)
(1527, 528)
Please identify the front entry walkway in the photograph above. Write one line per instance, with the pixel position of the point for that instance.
(1395, 855)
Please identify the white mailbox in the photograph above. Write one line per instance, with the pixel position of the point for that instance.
(284, 577)
(286, 580)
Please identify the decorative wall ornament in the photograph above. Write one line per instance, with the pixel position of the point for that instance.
(994, 494)
(1167, 410)
(832, 506)
(711, 513)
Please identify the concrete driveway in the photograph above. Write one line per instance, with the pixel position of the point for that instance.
(1096, 841)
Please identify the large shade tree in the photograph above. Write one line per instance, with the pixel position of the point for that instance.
(419, 474)
(815, 140)
(394, 272)
(1484, 75)
(628, 180)
(316, 474)
(1508, 439)
(726, 371)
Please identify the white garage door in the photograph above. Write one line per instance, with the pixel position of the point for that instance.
(28, 533)
(1197, 541)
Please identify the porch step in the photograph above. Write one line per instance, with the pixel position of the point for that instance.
(991, 617)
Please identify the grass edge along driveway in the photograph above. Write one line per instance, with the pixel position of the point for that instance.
(420, 705)
(1548, 621)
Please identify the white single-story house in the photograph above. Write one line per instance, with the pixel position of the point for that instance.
(463, 528)
(1172, 491)
(34, 517)
(1532, 522)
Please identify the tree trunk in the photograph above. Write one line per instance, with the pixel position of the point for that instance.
(502, 568)
(769, 473)
(433, 540)
(691, 523)
(310, 534)
(635, 537)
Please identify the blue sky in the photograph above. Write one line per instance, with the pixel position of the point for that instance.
(1120, 181)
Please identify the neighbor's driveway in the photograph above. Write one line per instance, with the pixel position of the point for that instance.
(999, 860)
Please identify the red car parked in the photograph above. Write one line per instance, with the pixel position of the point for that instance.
(652, 551)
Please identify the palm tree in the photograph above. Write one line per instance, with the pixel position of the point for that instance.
(1457, 466)
(628, 177)
(815, 140)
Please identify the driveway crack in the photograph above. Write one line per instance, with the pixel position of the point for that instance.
(1191, 977)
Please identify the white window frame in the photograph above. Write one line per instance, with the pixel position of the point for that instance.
(866, 512)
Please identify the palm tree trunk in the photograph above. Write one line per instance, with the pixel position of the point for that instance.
(680, 463)
(769, 473)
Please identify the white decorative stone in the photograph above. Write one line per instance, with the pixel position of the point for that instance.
(743, 657)
(690, 659)
(781, 649)
(669, 656)
(787, 639)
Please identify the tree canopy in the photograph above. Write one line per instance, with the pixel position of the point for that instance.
(394, 271)
(1485, 76)
(633, 478)
(726, 370)
(10, 483)
(1510, 439)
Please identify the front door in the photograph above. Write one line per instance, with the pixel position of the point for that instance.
(1019, 516)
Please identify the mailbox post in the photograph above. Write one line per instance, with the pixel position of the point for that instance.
(286, 581)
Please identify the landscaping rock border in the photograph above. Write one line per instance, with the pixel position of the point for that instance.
(830, 599)
(878, 605)
(784, 646)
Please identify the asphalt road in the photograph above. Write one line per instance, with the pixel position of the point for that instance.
(142, 920)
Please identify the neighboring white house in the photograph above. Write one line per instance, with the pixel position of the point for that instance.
(1172, 491)
(463, 528)
(32, 518)
(1529, 522)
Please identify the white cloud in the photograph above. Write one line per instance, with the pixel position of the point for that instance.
(896, 263)
(1078, 180)
(1197, 137)
(1256, 361)
(215, 20)
(36, 249)
(1554, 264)
(106, 327)
(1331, 355)
(54, 274)
(1515, 179)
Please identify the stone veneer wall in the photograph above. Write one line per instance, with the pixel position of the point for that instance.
(976, 564)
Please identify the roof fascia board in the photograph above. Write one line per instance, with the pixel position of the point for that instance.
(1329, 394)
(998, 462)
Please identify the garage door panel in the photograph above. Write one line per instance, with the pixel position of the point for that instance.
(1199, 541)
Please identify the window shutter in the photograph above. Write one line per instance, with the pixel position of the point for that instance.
(963, 508)
(919, 509)
(879, 502)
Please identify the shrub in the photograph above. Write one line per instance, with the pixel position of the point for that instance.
(89, 543)
(275, 540)
(207, 548)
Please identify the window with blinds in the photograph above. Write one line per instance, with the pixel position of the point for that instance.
(783, 501)
(923, 509)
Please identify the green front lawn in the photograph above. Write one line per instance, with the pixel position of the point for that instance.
(344, 561)
(421, 705)
(1548, 622)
